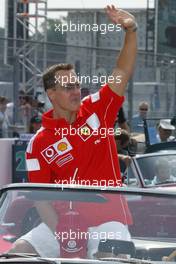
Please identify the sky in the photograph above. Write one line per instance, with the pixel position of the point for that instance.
(96, 3)
(80, 4)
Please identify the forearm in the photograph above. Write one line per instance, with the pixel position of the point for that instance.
(125, 63)
(126, 60)
(172, 256)
(47, 214)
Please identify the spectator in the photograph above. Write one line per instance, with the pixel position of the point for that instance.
(35, 124)
(25, 110)
(137, 120)
(4, 121)
(122, 139)
(121, 120)
(37, 107)
(163, 172)
(165, 131)
(9, 111)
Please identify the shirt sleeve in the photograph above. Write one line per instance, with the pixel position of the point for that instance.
(37, 169)
(105, 103)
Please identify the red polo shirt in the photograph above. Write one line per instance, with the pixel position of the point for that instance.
(83, 152)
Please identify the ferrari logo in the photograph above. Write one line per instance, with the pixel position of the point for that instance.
(85, 131)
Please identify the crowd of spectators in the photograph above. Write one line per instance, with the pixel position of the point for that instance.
(28, 120)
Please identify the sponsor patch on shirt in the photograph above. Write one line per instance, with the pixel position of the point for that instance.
(71, 246)
(63, 160)
(57, 149)
(85, 132)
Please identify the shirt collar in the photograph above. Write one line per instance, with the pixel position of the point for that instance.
(49, 122)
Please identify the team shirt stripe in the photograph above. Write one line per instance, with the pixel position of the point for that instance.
(95, 97)
(32, 165)
(93, 121)
(30, 145)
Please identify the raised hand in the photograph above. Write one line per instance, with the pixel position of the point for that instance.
(119, 16)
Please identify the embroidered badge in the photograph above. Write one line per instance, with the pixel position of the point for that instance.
(57, 149)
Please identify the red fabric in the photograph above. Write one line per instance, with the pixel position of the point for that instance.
(76, 217)
(92, 159)
(5, 246)
(73, 243)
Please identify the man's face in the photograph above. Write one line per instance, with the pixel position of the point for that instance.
(163, 172)
(164, 133)
(143, 109)
(67, 95)
(3, 106)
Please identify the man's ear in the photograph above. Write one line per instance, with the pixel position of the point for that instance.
(50, 93)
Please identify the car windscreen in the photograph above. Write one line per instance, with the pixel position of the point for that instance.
(73, 223)
(158, 169)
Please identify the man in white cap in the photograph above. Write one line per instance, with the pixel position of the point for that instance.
(165, 131)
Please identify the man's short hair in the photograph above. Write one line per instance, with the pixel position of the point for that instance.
(143, 103)
(123, 136)
(49, 75)
(3, 100)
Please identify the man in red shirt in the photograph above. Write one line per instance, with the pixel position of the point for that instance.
(76, 143)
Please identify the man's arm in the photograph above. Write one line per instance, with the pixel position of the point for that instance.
(47, 214)
(126, 60)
